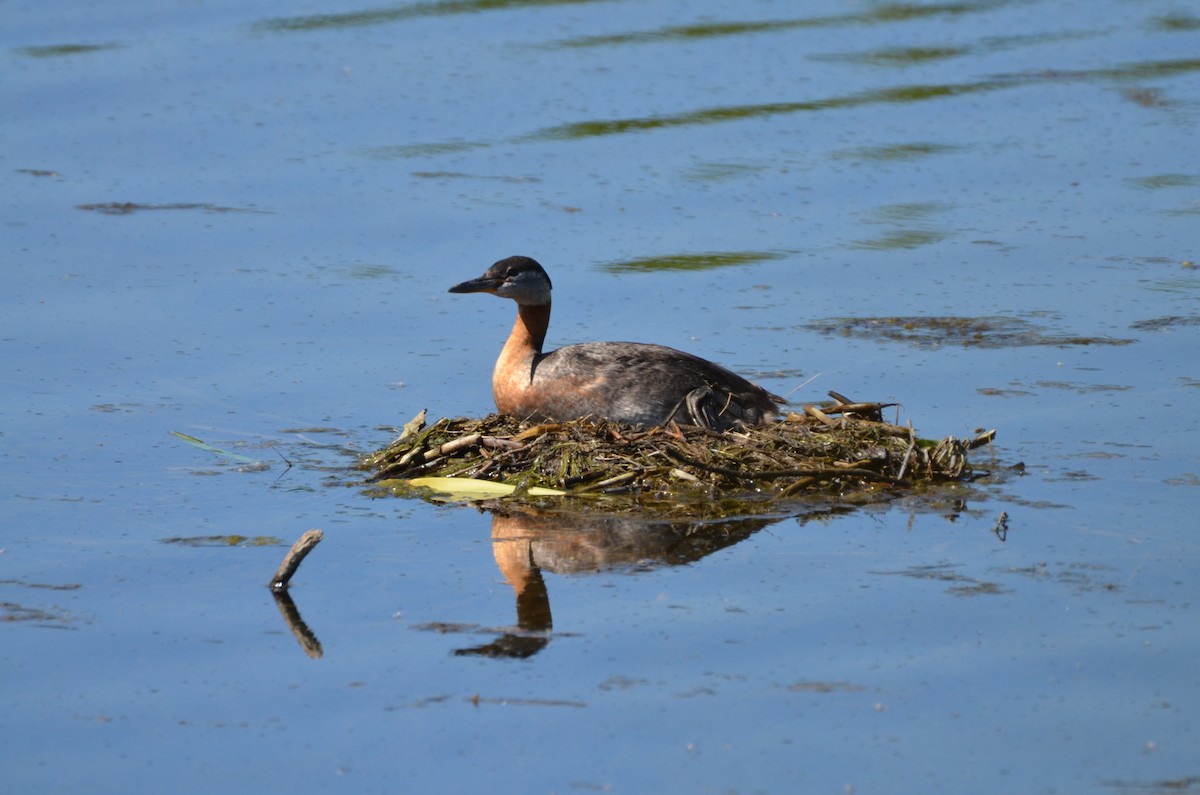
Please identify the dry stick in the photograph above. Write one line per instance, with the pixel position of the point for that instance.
(500, 443)
(412, 427)
(425, 456)
(419, 456)
(291, 561)
(813, 411)
(982, 439)
(1001, 528)
(883, 426)
(912, 442)
(683, 474)
(454, 445)
(850, 408)
(845, 404)
(539, 431)
(615, 480)
(507, 447)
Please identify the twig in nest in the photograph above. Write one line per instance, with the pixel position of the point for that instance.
(607, 483)
(291, 561)
(844, 405)
(813, 411)
(912, 443)
(982, 439)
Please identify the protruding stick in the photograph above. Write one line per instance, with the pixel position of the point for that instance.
(291, 561)
(1001, 528)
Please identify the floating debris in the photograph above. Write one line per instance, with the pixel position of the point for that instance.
(968, 332)
(246, 464)
(55, 618)
(1164, 323)
(224, 541)
(126, 208)
(841, 449)
(56, 50)
(693, 262)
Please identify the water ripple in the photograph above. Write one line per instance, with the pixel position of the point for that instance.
(891, 12)
(594, 128)
(389, 14)
(895, 94)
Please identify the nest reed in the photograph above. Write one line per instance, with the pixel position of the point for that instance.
(838, 448)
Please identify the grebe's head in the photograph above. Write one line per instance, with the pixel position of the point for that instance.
(517, 278)
(520, 278)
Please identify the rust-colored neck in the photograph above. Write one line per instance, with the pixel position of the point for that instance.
(512, 379)
(529, 332)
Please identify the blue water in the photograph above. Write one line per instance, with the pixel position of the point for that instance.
(310, 179)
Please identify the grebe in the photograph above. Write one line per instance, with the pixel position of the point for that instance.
(627, 382)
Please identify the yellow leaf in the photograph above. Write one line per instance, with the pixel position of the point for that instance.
(475, 489)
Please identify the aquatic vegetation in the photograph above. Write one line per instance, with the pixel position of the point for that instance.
(969, 332)
(843, 449)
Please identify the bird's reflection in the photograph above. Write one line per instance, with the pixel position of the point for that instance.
(527, 542)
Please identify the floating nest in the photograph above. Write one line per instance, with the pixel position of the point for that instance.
(840, 449)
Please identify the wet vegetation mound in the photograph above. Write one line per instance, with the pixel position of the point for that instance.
(841, 449)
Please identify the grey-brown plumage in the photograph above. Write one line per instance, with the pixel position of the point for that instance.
(630, 382)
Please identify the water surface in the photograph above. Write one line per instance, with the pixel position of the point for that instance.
(239, 222)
